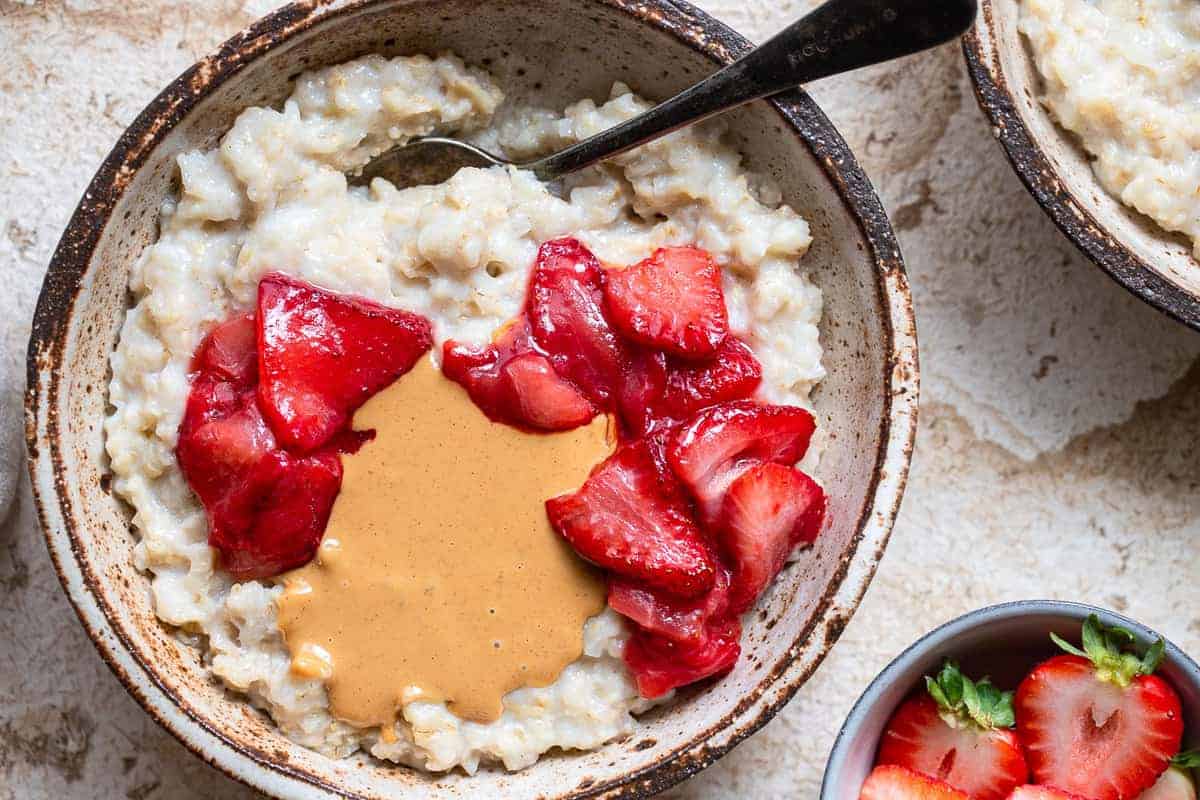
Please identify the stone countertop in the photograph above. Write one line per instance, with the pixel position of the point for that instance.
(1057, 452)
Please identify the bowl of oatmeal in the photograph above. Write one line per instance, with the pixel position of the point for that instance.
(477, 487)
(1095, 105)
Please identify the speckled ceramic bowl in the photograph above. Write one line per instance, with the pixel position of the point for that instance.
(555, 51)
(1002, 641)
(1155, 265)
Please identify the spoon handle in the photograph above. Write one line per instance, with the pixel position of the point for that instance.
(839, 36)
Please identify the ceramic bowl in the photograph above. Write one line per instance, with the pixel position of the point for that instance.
(554, 51)
(1154, 265)
(1002, 641)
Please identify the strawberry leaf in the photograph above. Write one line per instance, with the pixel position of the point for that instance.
(1109, 649)
(1154, 656)
(1188, 759)
(962, 701)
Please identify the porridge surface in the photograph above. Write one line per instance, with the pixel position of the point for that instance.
(273, 196)
(1125, 77)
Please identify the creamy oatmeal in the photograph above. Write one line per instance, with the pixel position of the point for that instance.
(273, 196)
(1125, 77)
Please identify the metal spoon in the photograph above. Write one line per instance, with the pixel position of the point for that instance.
(839, 36)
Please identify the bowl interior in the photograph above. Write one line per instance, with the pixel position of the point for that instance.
(1003, 642)
(1155, 264)
(553, 53)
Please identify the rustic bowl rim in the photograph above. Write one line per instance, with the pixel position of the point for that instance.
(71, 260)
(1053, 193)
(942, 638)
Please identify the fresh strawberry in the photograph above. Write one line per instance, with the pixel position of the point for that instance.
(723, 441)
(514, 384)
(768, 510)
(1098, 723)
(566, 315)
(629, 518)
(1176, 783)
(322, 355)
(1029, 792)
(957, 730)
(678, 620)
(660, 664)
(287, 528)
(672, 301)
(897, 783)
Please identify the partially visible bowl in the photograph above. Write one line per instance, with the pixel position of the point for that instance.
(1002, 641)
(556, 51)
(1153, 264)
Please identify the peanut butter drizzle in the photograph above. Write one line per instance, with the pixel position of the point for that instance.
(439, 577)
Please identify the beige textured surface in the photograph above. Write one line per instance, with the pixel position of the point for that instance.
(1057, 454)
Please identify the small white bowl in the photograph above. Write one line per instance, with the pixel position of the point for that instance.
(1002, 641)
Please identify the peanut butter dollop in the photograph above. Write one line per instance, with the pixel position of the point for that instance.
(439, 577)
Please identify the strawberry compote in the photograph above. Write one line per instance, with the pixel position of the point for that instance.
(697, 510)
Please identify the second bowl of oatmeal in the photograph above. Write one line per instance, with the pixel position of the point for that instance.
(270, 301)
(1095, 106)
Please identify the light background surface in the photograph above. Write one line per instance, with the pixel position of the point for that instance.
(1056, 457)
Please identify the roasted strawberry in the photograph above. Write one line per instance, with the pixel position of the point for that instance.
(290, 522)
(1029, 792)
(514, 384)
(660, 664)
(229, 352)
(733, 373)
(672, 301)
(659, 613)
(958, 731)
(322, 355)
(1176, 783)
(566, 316)
(628, 518)
(723, 441)
(897, 783)
(1097, 722)
(768, 510)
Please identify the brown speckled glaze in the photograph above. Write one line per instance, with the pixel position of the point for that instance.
(1154, 265)
(554, 51)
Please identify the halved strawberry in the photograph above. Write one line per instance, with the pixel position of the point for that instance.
(1029, 792)
(629, 518)
(1097, 722)
(897, 783)
(514, 384)
(723, 441)
(1176, 783)
(957, 730)
(669, 617)
(671, 301)
(660, 664)
(566, 316)
(768, 510)
(322, 355)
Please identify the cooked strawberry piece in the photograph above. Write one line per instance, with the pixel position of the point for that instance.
(229, 352)
(629, 518)
(958, 731)
(723, 441)
(660, 664)
(290, 520)
(514, 384)
(1029, 792)
(671, 301)
(566, 317)
(322, 355)
(1097, 722)
(768, 510)
(678, 620)
(733, 373)
(897, 783)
